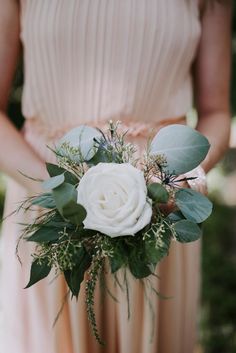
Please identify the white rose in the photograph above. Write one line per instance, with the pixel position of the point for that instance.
(115, 198)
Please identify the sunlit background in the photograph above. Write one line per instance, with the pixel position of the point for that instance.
(217, 318)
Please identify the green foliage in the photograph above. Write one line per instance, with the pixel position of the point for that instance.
(39, 270)
(184, 148)
(65, 197)
(187, 231)
(120, 258)
(53, 182)
(75, 276)
(219, 281)
(193, 205)
(82, 139)
(54, 170)
(138, 263)
(158, 239)
(64, 243)
(93, 275)
(44, 200)
(45, 234)
(158, 193)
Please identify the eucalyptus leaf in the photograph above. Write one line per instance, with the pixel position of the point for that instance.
(54, 170)
(74, 212)
(187, 231)
(101, 156)
(39, 270)
(45, 200)
(193, 205)
(176, 216)
(158, 193)
(65, 197)
(183, 147)
(82, 138)
(53, 182)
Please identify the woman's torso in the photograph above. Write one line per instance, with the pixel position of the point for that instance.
(91, 60)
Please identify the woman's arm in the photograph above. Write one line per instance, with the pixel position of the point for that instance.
(15, 154)
(212, 79)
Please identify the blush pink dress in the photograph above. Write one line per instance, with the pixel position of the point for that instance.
(87, 61)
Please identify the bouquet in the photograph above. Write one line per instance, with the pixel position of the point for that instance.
(104, 204)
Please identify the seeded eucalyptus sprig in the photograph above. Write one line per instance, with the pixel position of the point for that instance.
(92, 279)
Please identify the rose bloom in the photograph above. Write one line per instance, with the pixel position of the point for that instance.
(115, 198)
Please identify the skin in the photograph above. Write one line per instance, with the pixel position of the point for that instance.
(211, 86)
(19, 156)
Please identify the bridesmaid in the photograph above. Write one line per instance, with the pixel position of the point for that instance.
(88, 61)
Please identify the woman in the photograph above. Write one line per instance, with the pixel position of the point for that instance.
(89, 61)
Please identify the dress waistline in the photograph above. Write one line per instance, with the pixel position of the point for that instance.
(135, 129)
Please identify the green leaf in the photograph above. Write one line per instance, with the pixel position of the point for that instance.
(45, 200)
(75, 277)
(119, 259)
(194, 206)
(139, 268)
(57, 221)
(81, 137)
(39, 270)
(54, 170)
(65, 197)
(102, 156)
(45, 235)
(187, 231)
(158, 193)
(116, 263)
(175, 216)
(155, 251)
(74, 212)
(53, 182)
(183, 147)
(138, 263)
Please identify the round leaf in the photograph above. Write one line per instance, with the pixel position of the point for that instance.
(81, 137)
(74, 212)
(45, 200)
(175, 216)
(65, 197)
(158, 193)
(53, 182)
(187, 231)
(193, 205)
(183, 147)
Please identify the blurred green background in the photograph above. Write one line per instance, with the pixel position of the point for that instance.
(217, 319)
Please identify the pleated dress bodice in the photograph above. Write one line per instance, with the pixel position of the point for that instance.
(92, 60)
